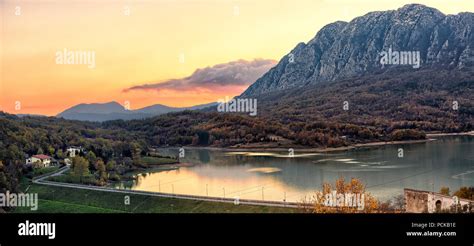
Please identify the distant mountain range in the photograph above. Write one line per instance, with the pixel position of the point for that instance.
(352, 49)
(114, 111)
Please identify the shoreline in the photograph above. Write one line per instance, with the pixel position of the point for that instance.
(316, 150)
(430, 137)
(471, 133)
(158, 167)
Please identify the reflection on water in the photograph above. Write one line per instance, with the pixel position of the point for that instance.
(448, 161)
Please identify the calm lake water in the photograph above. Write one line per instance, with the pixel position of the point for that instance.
(448, 161)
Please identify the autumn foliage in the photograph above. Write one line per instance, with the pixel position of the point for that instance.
(316, 203)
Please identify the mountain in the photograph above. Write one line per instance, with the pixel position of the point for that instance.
(114, 111)
(158, 109)
(344, 50)
(96, 108)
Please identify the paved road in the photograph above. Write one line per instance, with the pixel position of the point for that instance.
(42, 181)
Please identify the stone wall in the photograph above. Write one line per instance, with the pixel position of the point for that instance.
(418, 201)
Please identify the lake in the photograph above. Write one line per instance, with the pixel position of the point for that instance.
(447, 161)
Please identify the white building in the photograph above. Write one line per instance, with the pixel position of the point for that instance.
(41, 160)
(73, 151)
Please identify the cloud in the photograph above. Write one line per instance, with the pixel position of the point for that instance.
(235, 73)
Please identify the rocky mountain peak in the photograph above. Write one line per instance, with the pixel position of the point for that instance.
(343, 50)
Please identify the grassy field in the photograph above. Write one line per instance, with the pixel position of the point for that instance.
(70, 200)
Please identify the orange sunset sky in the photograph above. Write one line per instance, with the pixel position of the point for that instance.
(139, 43)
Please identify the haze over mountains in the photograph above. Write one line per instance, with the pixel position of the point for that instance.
(114, 111)
(343, 50)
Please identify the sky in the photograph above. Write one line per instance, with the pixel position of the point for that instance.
(172, 52)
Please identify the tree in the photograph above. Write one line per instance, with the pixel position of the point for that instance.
(354, 186)
(40, 151)
(3, 179)
(111, 165)
(407, 134)
(444, 191)
(100, 166)
(4, 184)
(80, 167)
(136, 153)
(203, 137)
(51, 150)
(60, 154)
(465, 192)
(14, 153)
(91, 158)
(399, 202)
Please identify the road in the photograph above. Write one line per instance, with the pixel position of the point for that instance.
(42, 180)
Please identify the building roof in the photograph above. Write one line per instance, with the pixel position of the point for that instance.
(42, 157)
